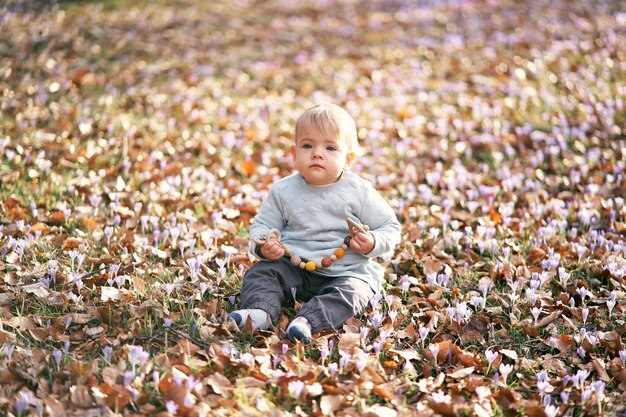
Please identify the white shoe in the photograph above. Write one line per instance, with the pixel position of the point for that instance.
(259, 318)
(299, 329)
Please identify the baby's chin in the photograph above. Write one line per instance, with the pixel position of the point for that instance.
(320, 182)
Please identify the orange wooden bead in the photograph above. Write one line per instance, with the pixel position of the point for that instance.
(339, 253)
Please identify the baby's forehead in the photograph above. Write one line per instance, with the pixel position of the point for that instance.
(323, 131)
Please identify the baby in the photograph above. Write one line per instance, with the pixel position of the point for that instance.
(317, 233)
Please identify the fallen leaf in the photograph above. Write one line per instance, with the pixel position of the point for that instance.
(461, 373)
(219, 383)
(331, 403)
(509, 353)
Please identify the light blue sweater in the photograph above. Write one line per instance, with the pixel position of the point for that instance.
(312, 222)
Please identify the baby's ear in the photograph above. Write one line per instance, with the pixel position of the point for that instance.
(293, 151)
(350, 159)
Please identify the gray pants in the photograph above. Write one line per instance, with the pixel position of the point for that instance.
(329, 301)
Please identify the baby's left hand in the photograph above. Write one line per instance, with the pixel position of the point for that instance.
(362, 242)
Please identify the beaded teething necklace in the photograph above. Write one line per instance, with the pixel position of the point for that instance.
(310, 266)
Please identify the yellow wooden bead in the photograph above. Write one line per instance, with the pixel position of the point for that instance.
(310, 266)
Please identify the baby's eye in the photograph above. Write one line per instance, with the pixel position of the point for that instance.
(307, 146)
(331, 148)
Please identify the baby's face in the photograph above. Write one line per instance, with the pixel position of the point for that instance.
(320, 159)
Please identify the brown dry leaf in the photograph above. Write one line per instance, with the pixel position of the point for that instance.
(461, 373)
(40, 227)
(89, 223)
(348, 342)
(379, 411)
(112, 395)
(219, 383)
(80, 372)
(81, 397)
(600, 368)
(554, 364)
(248, 167)
(38, 289)
(507, 399)
(173, 391)
(457, 355)
(331, 403)
(432, 266)
(383, 392)
(72, 243)
(110, 294)
(57, 217)
(480, 411)
(536, 411)
(53, 407)
(12, 202)
(549, 318)
(406, 354)
(6, 299)
(17, 214)
(612, 342)
(471, 336)
(139, 285)
(565, 343)
(444, 409)
(530, 331)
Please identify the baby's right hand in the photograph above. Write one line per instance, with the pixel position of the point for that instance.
(272, 250)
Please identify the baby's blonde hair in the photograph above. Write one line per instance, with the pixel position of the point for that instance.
(331, 120)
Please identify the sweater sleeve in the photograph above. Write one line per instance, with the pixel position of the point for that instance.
(382, 221)
(269, 217)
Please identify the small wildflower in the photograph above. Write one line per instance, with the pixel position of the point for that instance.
(536, 311)
(491, 356)
(505, 370)
(333, 368)
(551, 410)
(58, 356)
(247, 358)
(434, 349)
(610, 304)
(364, 332)
(585, 314)
(296, 388)
(10, 348)
(171, 407)
(376, 320)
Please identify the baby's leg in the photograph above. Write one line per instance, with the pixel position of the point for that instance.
(336, 301)
(266, 284)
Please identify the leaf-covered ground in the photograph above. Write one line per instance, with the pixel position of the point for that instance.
(138, 140)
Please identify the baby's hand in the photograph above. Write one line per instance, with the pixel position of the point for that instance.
(362, 242)
(272, 250)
